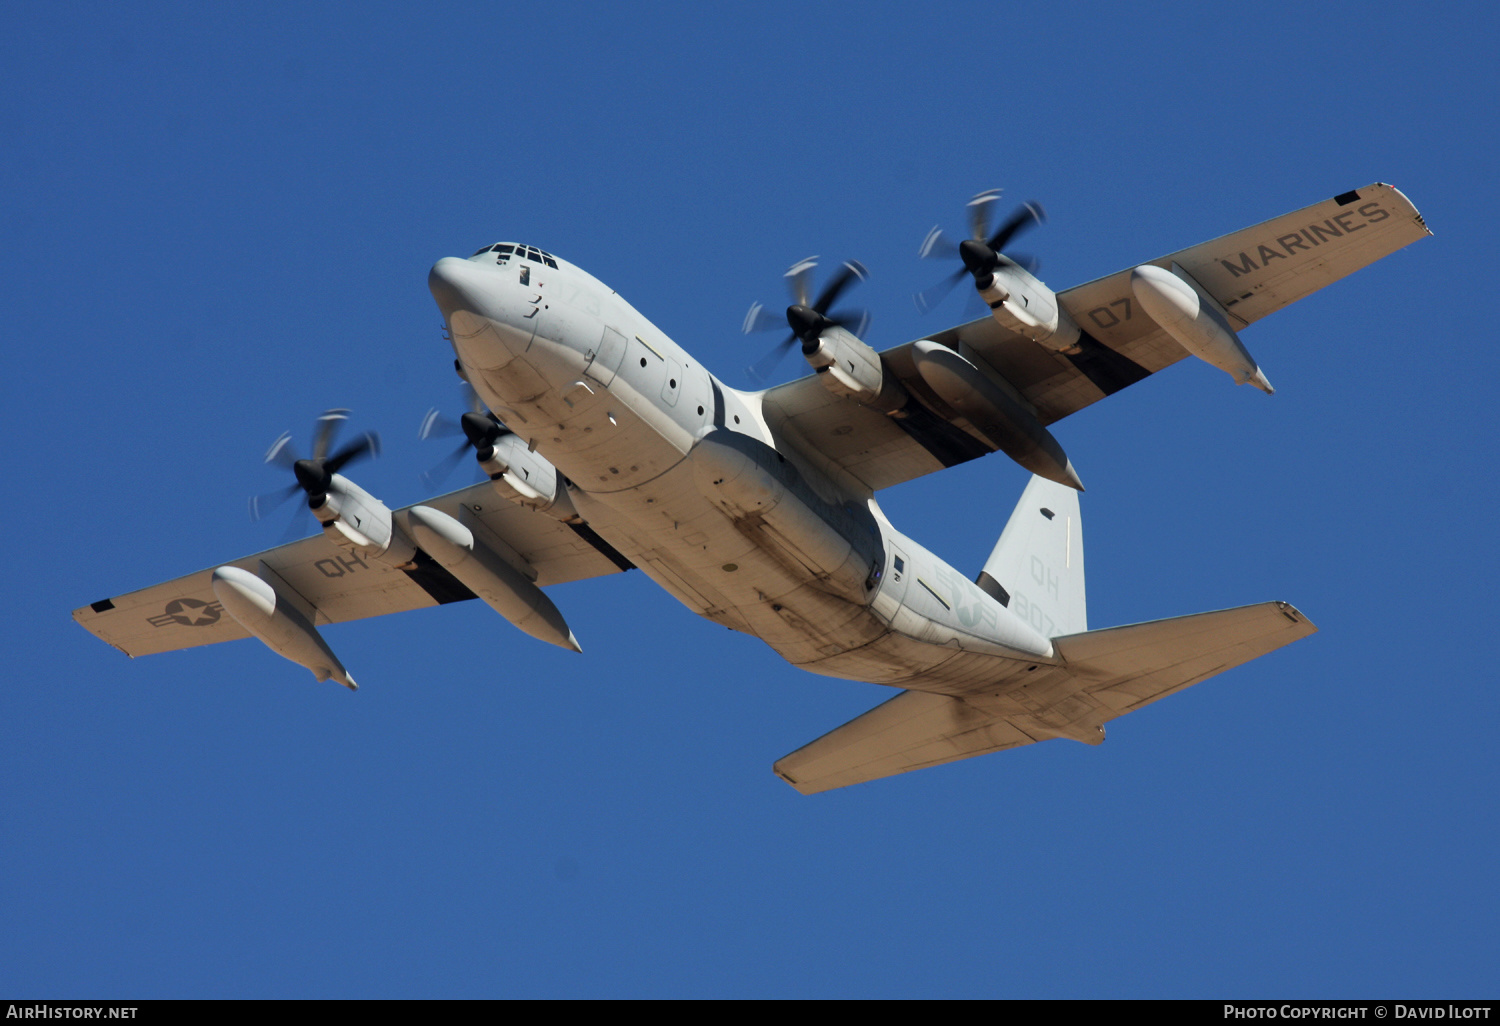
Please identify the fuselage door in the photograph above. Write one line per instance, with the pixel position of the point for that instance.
(604, 359)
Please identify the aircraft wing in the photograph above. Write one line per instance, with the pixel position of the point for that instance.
(1106, 674)
(335, 584)
(1252, 272)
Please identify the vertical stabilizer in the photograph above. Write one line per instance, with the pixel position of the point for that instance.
(1036, 568)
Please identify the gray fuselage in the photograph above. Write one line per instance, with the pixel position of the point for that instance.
(720, 506)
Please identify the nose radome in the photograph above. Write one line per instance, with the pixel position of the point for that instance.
(449, 281)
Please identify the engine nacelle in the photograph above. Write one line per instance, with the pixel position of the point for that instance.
(526, 479)
(352, 518)
(1020, 303)
(850, 368)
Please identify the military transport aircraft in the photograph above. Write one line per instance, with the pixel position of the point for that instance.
(608, 447)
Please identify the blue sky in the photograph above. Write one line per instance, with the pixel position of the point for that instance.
(219, 223)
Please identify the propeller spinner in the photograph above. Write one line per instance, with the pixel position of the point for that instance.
(315, 473)
(808, 319)
(480, 428)
(982, 251)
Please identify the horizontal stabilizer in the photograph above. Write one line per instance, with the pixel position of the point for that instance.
(1128, 667)
(914, 730)
(1107, 674)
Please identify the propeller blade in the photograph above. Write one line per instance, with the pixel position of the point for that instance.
(979, 213)
(760, 371)
(369, 443)
(444, 469)
(1028, 215)
(472, 402)
(282, 452)
(932, 296)
(937, 246)
(856, 322)
(297, 526)
(759, 319)
(437, 425)
(852, 271)
(327, 427)
(262, 506)
(798, 277)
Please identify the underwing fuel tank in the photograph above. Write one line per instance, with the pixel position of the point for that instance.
(271, 617)
(501, 586)
(1011, 427)
(759, 495)
(1177, 303)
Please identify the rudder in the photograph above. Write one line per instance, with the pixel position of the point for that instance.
(1036, 568)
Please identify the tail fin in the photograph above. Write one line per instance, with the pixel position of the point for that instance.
(1036, 568)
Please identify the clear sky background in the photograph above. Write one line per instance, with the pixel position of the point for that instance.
(218, 224)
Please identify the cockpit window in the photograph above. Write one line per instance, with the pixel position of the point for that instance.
(505, 250)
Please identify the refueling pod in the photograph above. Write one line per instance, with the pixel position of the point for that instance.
(1003, 419)
(487, 574)
(260, 608)
(1196, 321)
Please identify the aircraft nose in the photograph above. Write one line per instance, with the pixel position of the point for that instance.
(459, 286)
(450, 281)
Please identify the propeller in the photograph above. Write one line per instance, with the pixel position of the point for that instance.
(982, 251)
(807, 319)
(480, 429)
(314, 474)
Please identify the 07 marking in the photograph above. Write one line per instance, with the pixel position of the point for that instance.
(1099, 313)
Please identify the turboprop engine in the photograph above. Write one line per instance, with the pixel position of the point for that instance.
(525, 478)
(353, 518)
(262, 602)
(517, 474)
(1196, 321)
(1018, 301)
(847, 366)
(350, 516)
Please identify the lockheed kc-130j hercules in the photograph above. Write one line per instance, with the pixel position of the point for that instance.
(608, 447)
